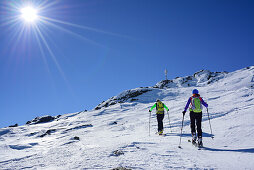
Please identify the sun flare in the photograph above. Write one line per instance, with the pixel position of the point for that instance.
(29, 14)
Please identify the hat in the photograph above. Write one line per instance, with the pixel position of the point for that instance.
(195, 91)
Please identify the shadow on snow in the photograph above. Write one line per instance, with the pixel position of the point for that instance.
(250, 150)
(206, 135)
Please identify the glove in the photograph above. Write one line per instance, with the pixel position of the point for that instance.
(184, 112)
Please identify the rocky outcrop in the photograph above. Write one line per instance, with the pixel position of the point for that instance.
(128, 95)
(16, 125)
(42, 119)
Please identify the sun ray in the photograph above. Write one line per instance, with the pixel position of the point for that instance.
(84, 27)
(42, 51)
(10, 20)
(16, 37)
(51, 53)
(75, 34)
(46, 4)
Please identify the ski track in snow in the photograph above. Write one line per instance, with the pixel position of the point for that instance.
(123, 129)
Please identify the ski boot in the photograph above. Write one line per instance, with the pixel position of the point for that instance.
(200, 143)
(194, 138)
(160, 132)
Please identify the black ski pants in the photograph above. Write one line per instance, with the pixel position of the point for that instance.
(195, 120)
(160, 118)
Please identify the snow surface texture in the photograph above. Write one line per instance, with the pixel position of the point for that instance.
(117, 135)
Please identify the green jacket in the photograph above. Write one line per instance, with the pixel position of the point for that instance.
(159, 110)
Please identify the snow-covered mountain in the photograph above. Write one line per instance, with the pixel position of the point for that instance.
(116, 133)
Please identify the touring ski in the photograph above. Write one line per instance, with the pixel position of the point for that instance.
(194, 143)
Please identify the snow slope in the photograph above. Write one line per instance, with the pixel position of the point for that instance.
(115, 134)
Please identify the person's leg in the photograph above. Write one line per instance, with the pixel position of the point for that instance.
(198, 122)
(193, 127)
(199, 128)
(160, 121)
(192, 123)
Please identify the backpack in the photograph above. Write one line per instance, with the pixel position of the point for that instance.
(159, 108)
(196, 105)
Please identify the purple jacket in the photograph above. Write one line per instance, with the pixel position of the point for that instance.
(189, 101)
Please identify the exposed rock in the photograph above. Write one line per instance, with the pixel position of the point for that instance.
(113, 123)
(128, 95)
(16, 125)
(42, 119)
(76, 138)
(32, 134)
(118, 153)
(48, 132)
(163, 84)
(78, 127)
(58, 116)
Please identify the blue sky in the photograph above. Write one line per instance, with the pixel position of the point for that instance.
(114, 45)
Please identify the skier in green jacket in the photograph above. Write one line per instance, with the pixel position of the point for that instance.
(160, 114)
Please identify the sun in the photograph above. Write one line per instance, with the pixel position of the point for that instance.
(29, 14)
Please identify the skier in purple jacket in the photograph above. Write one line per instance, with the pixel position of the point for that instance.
(195, 102)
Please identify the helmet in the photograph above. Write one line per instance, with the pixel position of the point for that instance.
(157, 100)
(195, 91)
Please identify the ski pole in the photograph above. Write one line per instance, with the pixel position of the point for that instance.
(210, 124)
(149, 121)
(181, 133)
(169, 122)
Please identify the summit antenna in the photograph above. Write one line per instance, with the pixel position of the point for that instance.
(166, 74)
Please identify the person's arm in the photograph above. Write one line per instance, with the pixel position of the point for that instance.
(203, 102)
(187, 105)
(152, 107)
(165, 107)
